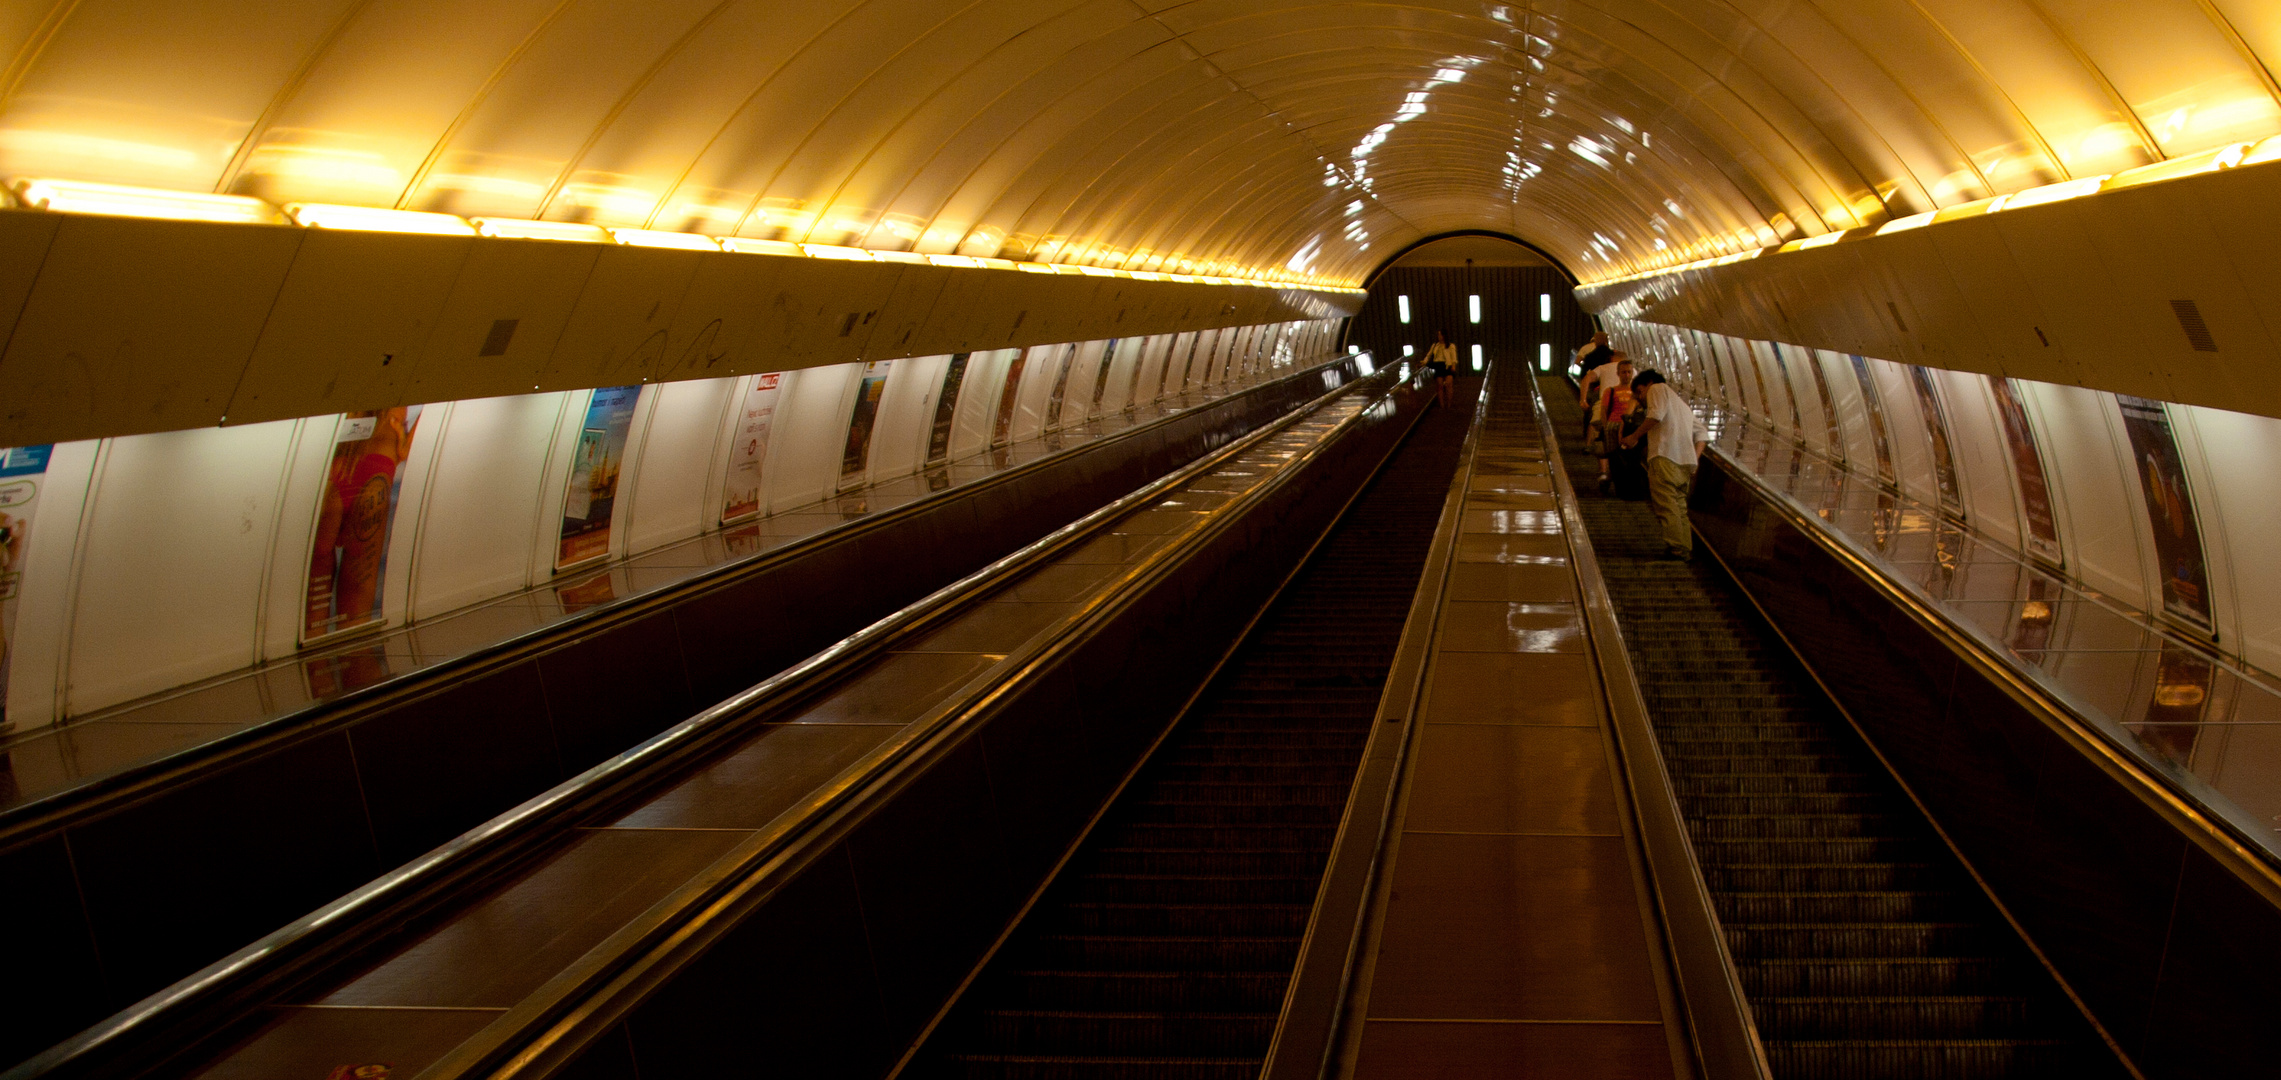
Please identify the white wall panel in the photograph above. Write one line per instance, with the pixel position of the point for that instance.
(1038, 374)
(1984, 462)
(43, 599)
(906, 410)
(1905, 426)
(978, 401)
(487, 506)
(664, 495)
(2102, 517)
(2240, 519)
(171, 571)
(811, 433)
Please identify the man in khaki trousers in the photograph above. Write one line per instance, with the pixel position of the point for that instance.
(1674, 440)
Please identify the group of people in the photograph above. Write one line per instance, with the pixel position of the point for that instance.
(1645, 435)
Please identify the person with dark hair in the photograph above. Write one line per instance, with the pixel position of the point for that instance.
(1595, 361)
(1441, 359)
(1674, 439)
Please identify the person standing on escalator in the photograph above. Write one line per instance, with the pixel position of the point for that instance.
(1441, 359)
(1674, 440)
(1595, 362)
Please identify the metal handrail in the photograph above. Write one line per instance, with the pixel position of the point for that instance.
(553, 1023)
(98, 794)
(301, 947)
(1725, 1038)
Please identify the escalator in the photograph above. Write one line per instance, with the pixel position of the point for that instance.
(1864, 946)
(1165, 945)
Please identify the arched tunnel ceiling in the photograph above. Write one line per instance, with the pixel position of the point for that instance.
(1314, 138)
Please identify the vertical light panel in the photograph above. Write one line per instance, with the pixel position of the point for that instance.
(1353, 349)
(1544, 357)
(1544, 307)
(1406, 350)
(1402, 307)
(1477, 357)
(1473, 306)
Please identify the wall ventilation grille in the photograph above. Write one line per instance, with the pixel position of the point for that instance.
(2190, 320)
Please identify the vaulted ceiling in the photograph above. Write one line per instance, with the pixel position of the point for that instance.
(1300, 138)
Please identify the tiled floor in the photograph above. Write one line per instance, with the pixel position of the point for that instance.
(1514, 940)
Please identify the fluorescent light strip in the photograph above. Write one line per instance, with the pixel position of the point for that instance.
(656, 238)
(519, 229)
(115, 200)
(370, 219)
(745, 246)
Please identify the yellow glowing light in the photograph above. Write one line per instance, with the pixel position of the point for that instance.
(1913, 221)
(2264, 151)
(113, 200)
(373, 219)
(658, 238)
(747, 246)
(518, 229)
(1065, 268)
(1101, 271)
(2224, 157)
(899, 257)
(954, 260)
(1034, 267)
(996, 263)
(1970, 209)
(2051, 193)
(835, 251)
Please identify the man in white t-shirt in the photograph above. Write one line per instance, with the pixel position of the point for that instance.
(1674, 440)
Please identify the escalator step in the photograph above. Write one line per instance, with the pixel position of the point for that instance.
(1866, 951)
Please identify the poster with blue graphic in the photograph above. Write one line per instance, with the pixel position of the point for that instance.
(591, 494)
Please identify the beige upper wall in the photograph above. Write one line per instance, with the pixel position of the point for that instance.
(1152, 135)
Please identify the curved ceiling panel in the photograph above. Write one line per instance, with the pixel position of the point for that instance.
(1214, 136)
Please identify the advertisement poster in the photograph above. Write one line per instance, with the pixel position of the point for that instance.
(2170, 509)
(1060, 388)
(1101, 374)
(1875, 407)
(857, 454)
(348, 559)
(2027, 468)
(740, 498)
(1936, 430)
(591, 494)
(1009, 398)
(946, 410)
(23, 471)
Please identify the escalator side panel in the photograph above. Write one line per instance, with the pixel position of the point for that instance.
(941, 866)
(2175, 955)
(180, 871)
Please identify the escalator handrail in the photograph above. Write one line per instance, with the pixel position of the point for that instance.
(549, 1027)
(295, 951)
(2224, 840)
(1726, 1040)
(98, 795)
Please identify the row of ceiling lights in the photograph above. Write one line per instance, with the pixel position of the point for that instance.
(2224, 157)
(80, 197)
